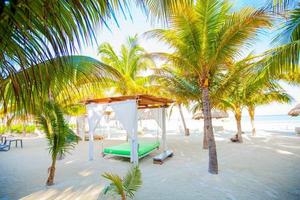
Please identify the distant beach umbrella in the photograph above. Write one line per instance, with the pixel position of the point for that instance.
(218, 114)
(295, 111)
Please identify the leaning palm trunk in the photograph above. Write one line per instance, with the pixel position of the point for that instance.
(186, 131)
(238, 118)
(51, 170)
(251, 111)
(205, 137)
(208, 129)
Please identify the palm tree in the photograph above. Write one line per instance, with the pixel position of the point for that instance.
(125, 187)
(206, 38)
(32, 32)
(76, 77)
(262, 98)
(285, 57)
(175, 86)
(249, 92)
(61, 139)
(129, 63)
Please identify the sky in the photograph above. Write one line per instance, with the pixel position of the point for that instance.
(139, 24)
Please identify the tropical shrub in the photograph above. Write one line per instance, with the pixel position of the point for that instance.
(30, 128)
(17, 128)
(61, 139)
(125, 187)
(3, 129)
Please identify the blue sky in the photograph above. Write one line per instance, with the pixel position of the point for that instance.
(127, 27)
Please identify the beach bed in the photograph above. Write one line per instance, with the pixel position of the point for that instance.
(123, 150)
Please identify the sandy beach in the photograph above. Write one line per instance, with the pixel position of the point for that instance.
(263, 167)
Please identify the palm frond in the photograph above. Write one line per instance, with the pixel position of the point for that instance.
(116, 185)
(132, 181)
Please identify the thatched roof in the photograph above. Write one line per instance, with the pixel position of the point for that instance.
(295, 111)
(218, 114)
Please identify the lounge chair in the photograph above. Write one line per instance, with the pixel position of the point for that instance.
(5, 146)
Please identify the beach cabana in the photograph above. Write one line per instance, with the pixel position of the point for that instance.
(295, 111)
(126, 112)
(217, 114)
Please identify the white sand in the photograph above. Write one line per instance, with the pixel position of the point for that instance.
(262, 168)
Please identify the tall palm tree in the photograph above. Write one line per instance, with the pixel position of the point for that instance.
(206, 37)
(61, 139)
(130, 63)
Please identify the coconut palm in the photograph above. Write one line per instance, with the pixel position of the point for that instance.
(206, 37)
(285, 57)
(249, 92)
(262, 98)
(61, 139)
(175, 86)
(161, 10)
(125, 187)
(130, 63)
(32, 32)
(71, 82)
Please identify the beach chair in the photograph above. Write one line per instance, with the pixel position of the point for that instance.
(5, 146)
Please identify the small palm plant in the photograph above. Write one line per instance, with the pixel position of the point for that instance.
(125, 187)
(60, 137)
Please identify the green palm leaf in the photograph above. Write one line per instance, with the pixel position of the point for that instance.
(132, 181)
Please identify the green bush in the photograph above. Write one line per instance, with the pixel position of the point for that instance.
(30, 128)
(3, 129)
(16, 128)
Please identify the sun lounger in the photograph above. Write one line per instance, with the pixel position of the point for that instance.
(15, 140)
(5, 146)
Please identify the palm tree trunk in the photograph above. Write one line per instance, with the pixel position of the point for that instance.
(208, 129)
(186, 131)
(123, 196)
(251, 111)
(51, 170)
(205, 137)
(238, 118)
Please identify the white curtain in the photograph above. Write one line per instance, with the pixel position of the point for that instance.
(95, 113)
(126, 113)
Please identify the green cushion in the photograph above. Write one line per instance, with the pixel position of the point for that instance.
(124, 149)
